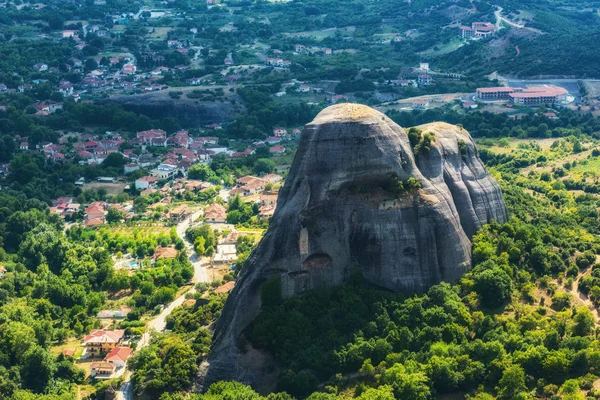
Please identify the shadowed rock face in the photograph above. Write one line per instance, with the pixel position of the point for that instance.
(338, 211)
(158, 105)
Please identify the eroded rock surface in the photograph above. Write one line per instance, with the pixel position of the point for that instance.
(159, 105)
(340, 209)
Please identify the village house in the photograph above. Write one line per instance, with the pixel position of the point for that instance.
(2, 271)
(249, 185)
(300, 48)
(226, 252)
(424, 80)
(94, 211)
(266, 211)
(268, 199)
(272, 140)
(66, 89)
(215, 213)
(130, 167)
(149, 135)
(279, 132)
(100, 342)
(165, 253)
(118, 356)
(277, 150)
(94, 222)
(62, 200)
(420, 104)
(179, 213)
(146, 182)
(194, 81)
(101, 369)
(180, 139)
(69, 34)
(129, 69)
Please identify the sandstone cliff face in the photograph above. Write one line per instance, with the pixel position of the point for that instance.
(338, 210)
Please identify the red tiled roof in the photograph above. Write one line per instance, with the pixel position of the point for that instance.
(94, 222)
(118, 354)
(104, 336)
(495, 89)
(165, 252)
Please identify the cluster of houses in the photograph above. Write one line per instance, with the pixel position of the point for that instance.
(114, 74)
(185, 150)
(107, 345)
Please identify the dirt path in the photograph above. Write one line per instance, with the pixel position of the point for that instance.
(518, 50)
(581, 298)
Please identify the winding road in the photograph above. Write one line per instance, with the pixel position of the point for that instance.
(500, 19)
(159, 323)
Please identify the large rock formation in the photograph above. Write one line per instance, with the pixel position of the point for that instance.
(189, 112)
(342, 208)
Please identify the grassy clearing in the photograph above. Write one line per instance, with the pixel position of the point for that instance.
(159, 33)
(590, 167)
(324, 33)
(71, 344)
(545, 144)
(111, 188)
(445, 48)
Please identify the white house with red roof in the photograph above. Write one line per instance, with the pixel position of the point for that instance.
(146, 182)
(277, 150)
(118, 356)
(151, 134)
(129, 69)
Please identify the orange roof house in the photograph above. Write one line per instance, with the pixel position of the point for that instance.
(118, 356)
(165, 252)
(90, 223)
(215, 213)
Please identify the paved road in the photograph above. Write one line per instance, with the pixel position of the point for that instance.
(500, 19)
(158, 323)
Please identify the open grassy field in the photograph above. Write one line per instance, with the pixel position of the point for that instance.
(324, 33)
(590, 167)
(71, 344)
(159, 33)
(514, 143)
(444, 48)
(111, 188)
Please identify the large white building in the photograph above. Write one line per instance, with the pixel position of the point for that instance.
(164, 171)
(531, 96)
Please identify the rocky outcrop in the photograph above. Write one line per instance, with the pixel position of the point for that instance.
(358, 197)
(190, 113)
